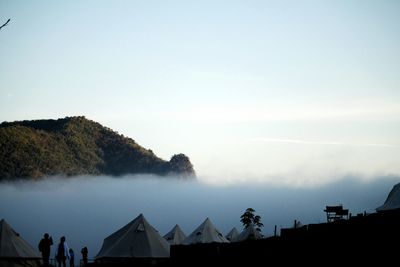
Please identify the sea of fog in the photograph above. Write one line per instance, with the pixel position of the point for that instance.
(88, 209)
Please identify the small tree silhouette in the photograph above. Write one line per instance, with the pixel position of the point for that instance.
(249, 218)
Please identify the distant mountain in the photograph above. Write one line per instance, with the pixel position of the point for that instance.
(77, 146)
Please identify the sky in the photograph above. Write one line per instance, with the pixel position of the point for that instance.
(294, 93)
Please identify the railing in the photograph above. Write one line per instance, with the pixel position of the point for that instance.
(89, 262)
(334, 213)
(53, 263)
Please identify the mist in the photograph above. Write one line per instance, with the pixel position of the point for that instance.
(88, 209)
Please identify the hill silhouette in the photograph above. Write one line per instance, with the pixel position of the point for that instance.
(77, 146)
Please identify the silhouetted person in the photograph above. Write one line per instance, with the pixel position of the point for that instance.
(62, 252)
(84, 252)
(44, 248)
(71, 258)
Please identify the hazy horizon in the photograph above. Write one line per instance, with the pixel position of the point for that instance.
(88, 209)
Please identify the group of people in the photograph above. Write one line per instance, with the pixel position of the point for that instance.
(62, 254)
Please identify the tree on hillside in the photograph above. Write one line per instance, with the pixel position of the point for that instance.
(249, 217)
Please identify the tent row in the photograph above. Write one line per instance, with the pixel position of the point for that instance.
(207, 233)
(138, 239)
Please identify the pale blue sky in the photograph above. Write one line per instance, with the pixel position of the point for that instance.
(294, 92)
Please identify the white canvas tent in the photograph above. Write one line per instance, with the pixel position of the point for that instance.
(232, 235)
(249, 233)
(205, 233)
(137, 239)
(15, 251)
(175, 236)
(393, 200)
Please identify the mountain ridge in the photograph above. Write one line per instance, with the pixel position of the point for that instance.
(70, 146)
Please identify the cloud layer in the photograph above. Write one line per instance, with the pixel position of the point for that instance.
(88, 209)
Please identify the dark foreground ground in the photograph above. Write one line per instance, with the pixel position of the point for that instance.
(373, 239)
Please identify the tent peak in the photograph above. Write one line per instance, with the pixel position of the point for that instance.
(205, 233)
(207, 220)
(175, 236)
(137, 239)
(176, 227)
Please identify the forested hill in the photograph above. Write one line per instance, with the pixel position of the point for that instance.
(77, 146)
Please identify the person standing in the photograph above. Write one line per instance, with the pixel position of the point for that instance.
(84, 252)
(44, 247)
(71, 258)
(62, 252)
